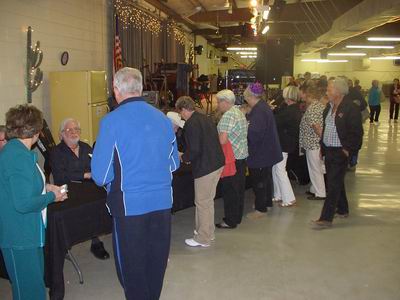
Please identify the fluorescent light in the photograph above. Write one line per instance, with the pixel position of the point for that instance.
(241, 49)
(247, 53)
(265, 30)
(384, 39)
(248, 56)
(384, 57)
(347, 54)
(369, 47)
(325, 60)
(266, 14)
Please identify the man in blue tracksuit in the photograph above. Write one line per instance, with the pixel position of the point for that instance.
(134, 157)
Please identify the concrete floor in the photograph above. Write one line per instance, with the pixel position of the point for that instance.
(280, 257)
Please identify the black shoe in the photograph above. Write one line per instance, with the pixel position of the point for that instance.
(99, 251)
(315, 198)
(223, 225)
(310, 194)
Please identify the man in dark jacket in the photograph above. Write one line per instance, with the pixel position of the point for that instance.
(341, 138)
(70, 161)
(264, 148)
(204, 153)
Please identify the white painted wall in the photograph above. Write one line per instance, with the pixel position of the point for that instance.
(382, 70)
(76, 26)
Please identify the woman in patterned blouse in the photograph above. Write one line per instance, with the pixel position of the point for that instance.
(310, 135)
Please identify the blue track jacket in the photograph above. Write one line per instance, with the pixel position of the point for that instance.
(134, 157)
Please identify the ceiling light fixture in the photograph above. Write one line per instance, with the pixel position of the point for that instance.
(347, 54)
(385, 58)
(369, 47)
(265, 30)
(247, 53)
(325, 60)
(253, 3)
(241, 49)
(384, 39)
(266, 13)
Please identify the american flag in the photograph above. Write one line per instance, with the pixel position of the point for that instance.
(117, 49)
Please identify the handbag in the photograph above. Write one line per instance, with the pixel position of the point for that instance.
(230, 166)
(397, 99)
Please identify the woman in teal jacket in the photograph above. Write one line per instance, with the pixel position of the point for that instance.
(23, 201)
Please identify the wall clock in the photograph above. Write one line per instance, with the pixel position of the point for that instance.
(64, 58)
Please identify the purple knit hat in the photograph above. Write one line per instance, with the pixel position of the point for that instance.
(256, 88)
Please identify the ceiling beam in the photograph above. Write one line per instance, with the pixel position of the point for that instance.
(170, 12)
(237, 15)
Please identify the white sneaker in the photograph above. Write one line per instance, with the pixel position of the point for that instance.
(193, 243)
(196, 233)
(377, 122)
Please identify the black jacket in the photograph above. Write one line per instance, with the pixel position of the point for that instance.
(203, 149)
(348, 125)
(66, 166)
(288, 123)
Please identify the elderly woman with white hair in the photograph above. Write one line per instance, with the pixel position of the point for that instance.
(233, 128)
(287, 121)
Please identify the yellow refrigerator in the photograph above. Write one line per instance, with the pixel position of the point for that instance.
(81, 95)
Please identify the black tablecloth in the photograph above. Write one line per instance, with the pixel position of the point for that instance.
(81, 217)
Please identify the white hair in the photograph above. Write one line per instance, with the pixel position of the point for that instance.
(227, 96)
(341, 85)
(291, 93)
(66, 121)
(128, 80)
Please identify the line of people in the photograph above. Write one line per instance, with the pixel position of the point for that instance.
(136, 153)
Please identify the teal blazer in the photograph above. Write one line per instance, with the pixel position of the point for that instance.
(21, 199)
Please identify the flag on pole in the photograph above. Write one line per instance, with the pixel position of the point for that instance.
(117, 49)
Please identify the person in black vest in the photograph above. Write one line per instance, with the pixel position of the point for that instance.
(264, 148)
(70, 161)
(341, 137)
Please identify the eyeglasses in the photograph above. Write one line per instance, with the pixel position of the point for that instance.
(73, 130)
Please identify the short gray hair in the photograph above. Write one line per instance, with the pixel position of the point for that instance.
(66, 121)
(185, 102)
(227, 96)
(128, 80)
(291, 92)
(341, 85)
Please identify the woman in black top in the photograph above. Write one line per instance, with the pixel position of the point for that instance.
(287, 121)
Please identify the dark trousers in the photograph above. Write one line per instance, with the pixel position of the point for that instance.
(141, 248)
(394, 109)
(374, 111)
(233, 188)
(336, 199)
(261, 180)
